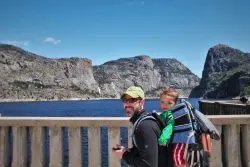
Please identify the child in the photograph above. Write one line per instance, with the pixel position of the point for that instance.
(168, 99)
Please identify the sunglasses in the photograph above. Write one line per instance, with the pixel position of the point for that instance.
(130, 100)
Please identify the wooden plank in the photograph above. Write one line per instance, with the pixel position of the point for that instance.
(56, 147)
(95, 150)
(75, 153)
(231, 147)
(37, 146)
(246, 145)
(19, 147)
(216, 156)
(114, 137)
(4, 149)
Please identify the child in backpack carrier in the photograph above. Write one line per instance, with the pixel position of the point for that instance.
(168, 99)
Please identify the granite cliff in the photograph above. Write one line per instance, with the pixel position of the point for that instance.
(152, 74)
(25, 75)
(28, 76)
(226, 74)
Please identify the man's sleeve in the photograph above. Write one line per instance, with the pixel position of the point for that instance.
(146, 153)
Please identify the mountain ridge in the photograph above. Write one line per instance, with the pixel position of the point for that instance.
(26, 75)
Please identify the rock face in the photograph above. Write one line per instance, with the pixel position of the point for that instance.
(226, 73)
(152, 74)
(25, 75)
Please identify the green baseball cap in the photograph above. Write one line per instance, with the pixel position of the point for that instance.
(134, 92)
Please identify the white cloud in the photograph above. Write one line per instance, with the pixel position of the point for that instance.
(52, 40)
(16, 43)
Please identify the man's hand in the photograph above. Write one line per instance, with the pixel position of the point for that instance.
(118, 151)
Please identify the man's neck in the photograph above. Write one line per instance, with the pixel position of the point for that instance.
(136, 115)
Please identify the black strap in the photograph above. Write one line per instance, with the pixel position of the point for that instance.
(178, 108)
(158, 119)
(183, 130)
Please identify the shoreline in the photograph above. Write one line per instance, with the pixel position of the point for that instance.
(46, 100)
(71, 99)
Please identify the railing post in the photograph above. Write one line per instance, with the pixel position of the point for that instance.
(56, 147)
(231, 148)
(114, 137)
(246, 145)
(37, 146)
(216, 158)
(4, 149)
(221, 107)
(95, 150)
(130, 131)
(75, 149)
(19, 147)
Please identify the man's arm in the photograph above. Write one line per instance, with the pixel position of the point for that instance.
(146, 153)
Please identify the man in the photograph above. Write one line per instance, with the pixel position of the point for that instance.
(145, 151)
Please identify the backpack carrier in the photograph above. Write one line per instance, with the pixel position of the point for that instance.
(195, 130)
(192, 128)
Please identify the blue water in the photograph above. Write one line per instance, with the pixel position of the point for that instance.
(85, 108)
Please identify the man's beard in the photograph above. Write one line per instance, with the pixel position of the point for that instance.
(132, 111)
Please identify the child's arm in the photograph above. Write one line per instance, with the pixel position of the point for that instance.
(167, 132)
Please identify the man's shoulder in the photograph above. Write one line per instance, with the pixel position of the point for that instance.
(148, 126)
(147, 121)
(147, 117)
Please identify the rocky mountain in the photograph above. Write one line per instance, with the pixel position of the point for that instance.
(152, 74)
(25, 75)
(28, 76)
(226, 74)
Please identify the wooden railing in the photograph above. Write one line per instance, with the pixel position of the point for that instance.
(223, 107)
(232, 150)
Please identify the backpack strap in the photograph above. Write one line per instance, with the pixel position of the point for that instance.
(191, 112)
(187, 143)
(159, 121)
(137, 122)
(153, 116)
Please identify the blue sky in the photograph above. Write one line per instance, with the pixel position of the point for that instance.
(104, 30)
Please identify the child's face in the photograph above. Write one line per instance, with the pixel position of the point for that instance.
(166, 102)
